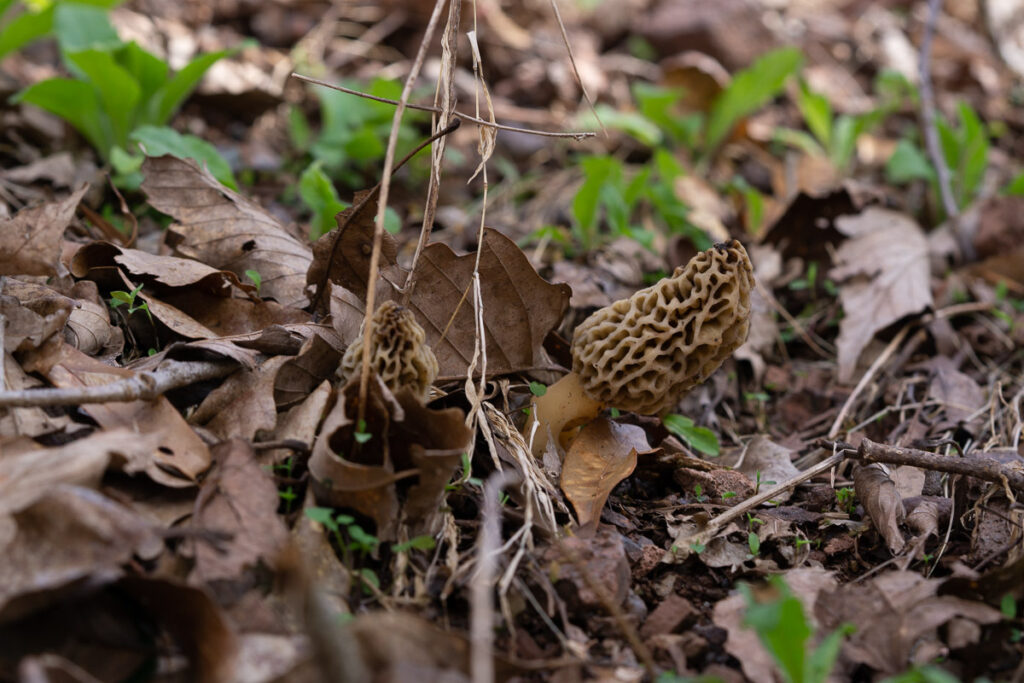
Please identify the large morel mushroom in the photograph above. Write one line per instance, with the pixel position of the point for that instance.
(643, 353)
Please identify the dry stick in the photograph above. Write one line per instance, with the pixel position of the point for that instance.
(355, 209)
(575, 69)
(144, 386)
(716, 523)
(979, 467)
(445, 92)
(481, 617)
(871, 371)
(382, 206)
(581, 135)
(3, 340)
(931, 135)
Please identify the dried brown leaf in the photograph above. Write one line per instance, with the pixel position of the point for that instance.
(883, 274)
(771, 462)
(30, 240)
(878, 494)
(242, 503)
(599, 458)
(224, 230)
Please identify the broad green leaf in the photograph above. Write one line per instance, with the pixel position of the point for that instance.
(125, 163)
(4, 6)
(750, 89)
(817, 113)
(83, 27)
(25, 28)
(318, 193)
(632, 123)
(323, 516)
(149, 71)
(118, 91)
(75, 102)
(170, 96)
(657, 105)
(908, 163)
(160, 140)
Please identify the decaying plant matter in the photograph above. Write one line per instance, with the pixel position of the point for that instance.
(643, 353)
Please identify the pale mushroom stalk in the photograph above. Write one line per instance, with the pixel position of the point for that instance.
(643, 353)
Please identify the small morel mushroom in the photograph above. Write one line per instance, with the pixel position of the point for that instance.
(399, 353)
(643, 353)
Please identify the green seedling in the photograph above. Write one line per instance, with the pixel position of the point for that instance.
(699, 438)
(416, 543)
(538, 389)
(361, 435)
(122, 298)
(754, 543)
(846, 500)
(785, 632)
(964, 149)
(120, 96)
(698, 493)
(347, 533)
(256, 278)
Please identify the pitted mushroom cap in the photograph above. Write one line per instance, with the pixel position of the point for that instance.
(642, 353)
(399, 353)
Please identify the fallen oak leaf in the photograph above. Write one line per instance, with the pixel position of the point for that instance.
(30, 240)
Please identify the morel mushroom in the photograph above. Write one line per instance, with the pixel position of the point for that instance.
(643, 353)
(399, 353)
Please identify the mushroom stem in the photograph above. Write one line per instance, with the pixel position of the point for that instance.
(564, 406)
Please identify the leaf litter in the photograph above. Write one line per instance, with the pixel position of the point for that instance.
(182, 459)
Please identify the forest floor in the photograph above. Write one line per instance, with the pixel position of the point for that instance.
(225, 456)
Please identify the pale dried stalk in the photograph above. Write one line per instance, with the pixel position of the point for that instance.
(378, 228)
(445, 92)
(871, 371)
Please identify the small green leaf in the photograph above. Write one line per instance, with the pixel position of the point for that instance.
(754, 543)
(908, 163)
(255, 276)
(699, 438)
(323, 516)
(817, 113)
(318, 193)
(538, 389)
(171, 94)
(1008, 606)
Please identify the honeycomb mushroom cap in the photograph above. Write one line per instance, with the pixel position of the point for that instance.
(643, 353)
(399, 353)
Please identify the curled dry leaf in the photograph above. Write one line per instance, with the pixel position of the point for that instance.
(883, 274)
(599, 458)
(882, 502)
(405, 438)
(30, 241)
(224, 230)
(88, 328)
(32, 313)
(243, 406)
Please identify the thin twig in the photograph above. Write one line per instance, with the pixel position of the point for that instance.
(145, 386)
(580, 135)
(871, 371)
(931, 135)
(977, 466)
(445, 95)
(382, 206)
(575, 69)
(737, 511)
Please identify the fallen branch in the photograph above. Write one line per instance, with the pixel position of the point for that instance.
(979, 466)
(145, 386)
